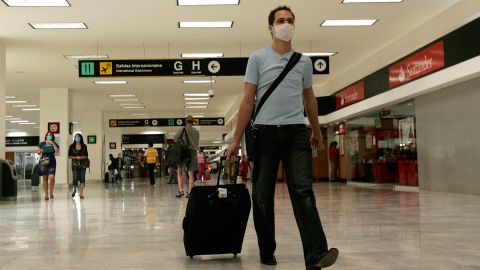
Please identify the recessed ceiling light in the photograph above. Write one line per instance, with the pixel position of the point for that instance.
(32, 109)
(348, 22)
(199, 81)
(202, 55)
(76, 25)
(197, 116)
(196, 107)
(95, 56)
(134, 107)
(371, 1)
(14, 118)
(197, 113)
(130, 104)
(110, 82)
(36, 3)
(10, 97)
(197, 98)
(29, 123)
(319, 53)
(8, 116)
(220, 24)
(139, 114)
(15, 101)
(121, 95)
(125, 99)
(19, 121)
(216, 142)
(206, 2)
(196, 95)
(24, 106)
(196, 103)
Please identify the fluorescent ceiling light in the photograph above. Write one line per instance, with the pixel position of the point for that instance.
(17, 134)
(196, 107)
(122, 95)
(197, 98)
(110, 82)
(371, 1)
(198, 116)
(217, 142)
(24, 106)
(30, 123)
(207, 2)
(196, 103)
(195, 95)
(131, 104)
(8, 116)
(58, 25)
(319, 53)
(139, 114)
(95, 56)
(10, 97)
(36, 3)
(220, 24)
(199, 81)
(125, 99)
(197, 113)
(19, 121)
(348, 22)
(15, 118)
(32, 109)
(15, 101)
(134, 107)
(202, 55)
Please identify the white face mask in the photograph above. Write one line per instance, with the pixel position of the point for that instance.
(284, 32)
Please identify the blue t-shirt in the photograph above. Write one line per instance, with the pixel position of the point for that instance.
(285, 104)
(53, 161)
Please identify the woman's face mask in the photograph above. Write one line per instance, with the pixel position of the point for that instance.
(49, 137)
(77, 139)
(284, 31)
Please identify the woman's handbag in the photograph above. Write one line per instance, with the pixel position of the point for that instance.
(180, 153)
(44, 162)
(252, 130)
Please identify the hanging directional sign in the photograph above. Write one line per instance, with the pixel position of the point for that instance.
(165, 122)
(234, 66)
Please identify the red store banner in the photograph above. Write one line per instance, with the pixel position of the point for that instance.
(350, 95)
(419, 64)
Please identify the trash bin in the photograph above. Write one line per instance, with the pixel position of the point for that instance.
(35, 177)
(8, 181)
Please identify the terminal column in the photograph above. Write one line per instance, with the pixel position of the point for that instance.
(55, 107)
(91, 124)
(2, 99)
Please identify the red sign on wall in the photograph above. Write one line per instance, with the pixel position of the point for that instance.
(421, 63)
(350, 95)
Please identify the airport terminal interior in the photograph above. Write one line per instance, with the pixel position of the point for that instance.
(395, 177)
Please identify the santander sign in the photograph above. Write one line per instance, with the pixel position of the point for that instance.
(350, 95)
(419, 64)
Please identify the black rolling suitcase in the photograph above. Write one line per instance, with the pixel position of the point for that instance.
(213, 223)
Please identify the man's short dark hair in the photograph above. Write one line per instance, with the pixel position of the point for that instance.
(150, 144)
(271, 16)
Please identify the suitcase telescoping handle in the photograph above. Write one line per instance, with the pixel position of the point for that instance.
(220, 167)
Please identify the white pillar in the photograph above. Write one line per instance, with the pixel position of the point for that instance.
(55, 106)
(91, 124)
(2, 100)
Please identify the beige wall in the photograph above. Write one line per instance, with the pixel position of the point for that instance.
(2, 99)
(448, 136)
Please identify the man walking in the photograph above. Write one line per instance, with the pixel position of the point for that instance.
(151, 158)
(282, 135)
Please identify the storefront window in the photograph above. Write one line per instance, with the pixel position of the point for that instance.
(382, 146)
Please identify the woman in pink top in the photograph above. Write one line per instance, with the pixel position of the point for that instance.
(201, 161)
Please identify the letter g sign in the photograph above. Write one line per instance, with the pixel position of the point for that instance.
(178, 66)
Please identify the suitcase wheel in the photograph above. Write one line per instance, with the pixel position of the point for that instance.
(191, 257)
(235, 255)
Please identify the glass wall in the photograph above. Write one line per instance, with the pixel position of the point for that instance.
(381, 146)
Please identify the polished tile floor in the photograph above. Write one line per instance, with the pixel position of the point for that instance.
(130, 225)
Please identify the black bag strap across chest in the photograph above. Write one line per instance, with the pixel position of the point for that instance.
(291, 63)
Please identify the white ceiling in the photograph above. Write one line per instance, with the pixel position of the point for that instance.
(148, 28)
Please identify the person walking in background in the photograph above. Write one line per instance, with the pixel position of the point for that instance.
(112, 167)
(78, 153)
(244, 168)
(201, 160)
(282, 135)
(151, 158)
(48, 164)
(333, 156)
(189, 135)
(120, 166)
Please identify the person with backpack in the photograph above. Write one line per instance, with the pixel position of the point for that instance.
(190, 136)
(112, 167)
(151, 159)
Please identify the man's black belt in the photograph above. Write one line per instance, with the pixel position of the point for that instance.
(282, 126)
